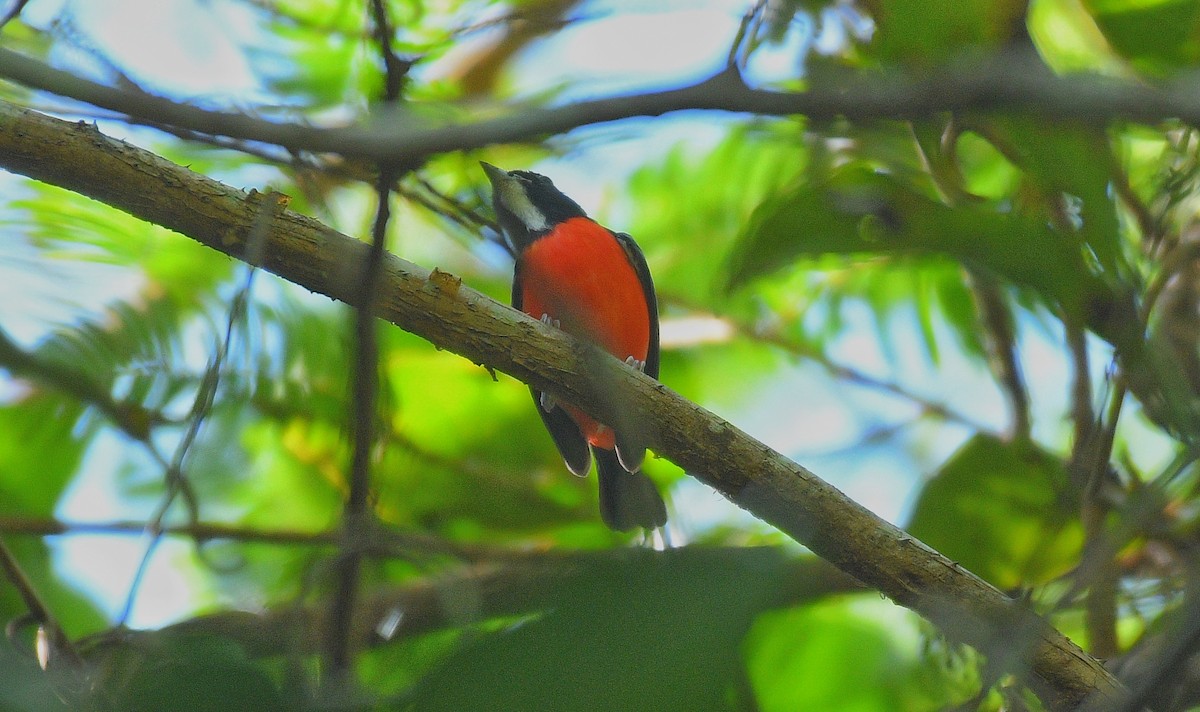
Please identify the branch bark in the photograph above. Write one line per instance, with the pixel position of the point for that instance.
(439, 308)
(1012, 83)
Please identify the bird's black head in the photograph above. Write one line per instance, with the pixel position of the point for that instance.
(528, 205)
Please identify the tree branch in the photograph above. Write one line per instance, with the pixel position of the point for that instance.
(1009, 83)
(378, 542)
(440, 309)
(59, 643)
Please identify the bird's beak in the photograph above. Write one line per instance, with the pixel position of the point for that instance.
(497, 176)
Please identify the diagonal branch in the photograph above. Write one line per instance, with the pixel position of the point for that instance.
(440, 309)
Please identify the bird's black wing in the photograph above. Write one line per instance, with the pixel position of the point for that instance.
(631, 447)
(565, 433)
(638, 261)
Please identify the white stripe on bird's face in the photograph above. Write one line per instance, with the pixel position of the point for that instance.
(512, 195)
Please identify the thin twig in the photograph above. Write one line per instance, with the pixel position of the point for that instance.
(1089, 467)
(468, 214)
(382, 543)
(395, 69)
(362, 418)
(1083, 415)
(744, 36)
(177, 483)
(365, 382)
(835, 369)
(11, 15)
(996, 316)
(59, 642)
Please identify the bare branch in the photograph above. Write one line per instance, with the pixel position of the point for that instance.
(1008, 83)
(60, 644)
(365, 382)
(13, 12)
(380, 544)
(836, 370)
(996, 318)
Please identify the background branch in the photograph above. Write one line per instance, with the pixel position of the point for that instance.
(60, 644)
(1010, 83)
(378, 542)
(437, 307)
(365, 380)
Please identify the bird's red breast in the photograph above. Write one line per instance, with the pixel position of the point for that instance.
(580, 275)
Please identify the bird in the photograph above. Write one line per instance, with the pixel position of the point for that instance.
(572, 273)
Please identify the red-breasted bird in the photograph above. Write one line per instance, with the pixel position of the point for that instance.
(593, 283)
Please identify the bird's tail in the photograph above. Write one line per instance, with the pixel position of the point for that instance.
(627, 499)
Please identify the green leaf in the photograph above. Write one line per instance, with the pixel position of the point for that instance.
(40, 451)
(1158, 36)
(1002, 510)
(159, 672)
(1075, 162)
(856, 210)
(689, 211)
(24, 687)
(648, 631)
(66, 225)
(924, 32)
(850, 653)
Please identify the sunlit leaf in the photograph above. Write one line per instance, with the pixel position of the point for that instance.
(40, 450)
(1074, 164)
(687, 214)
(861, 212)
(1002, 510)
(850, 653)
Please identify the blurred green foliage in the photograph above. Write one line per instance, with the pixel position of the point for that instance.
(793, 242)
(1008, 515)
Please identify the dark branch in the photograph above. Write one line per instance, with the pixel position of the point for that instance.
(381, 543)
(1015, 83)
(365, 383)
(38, 611)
